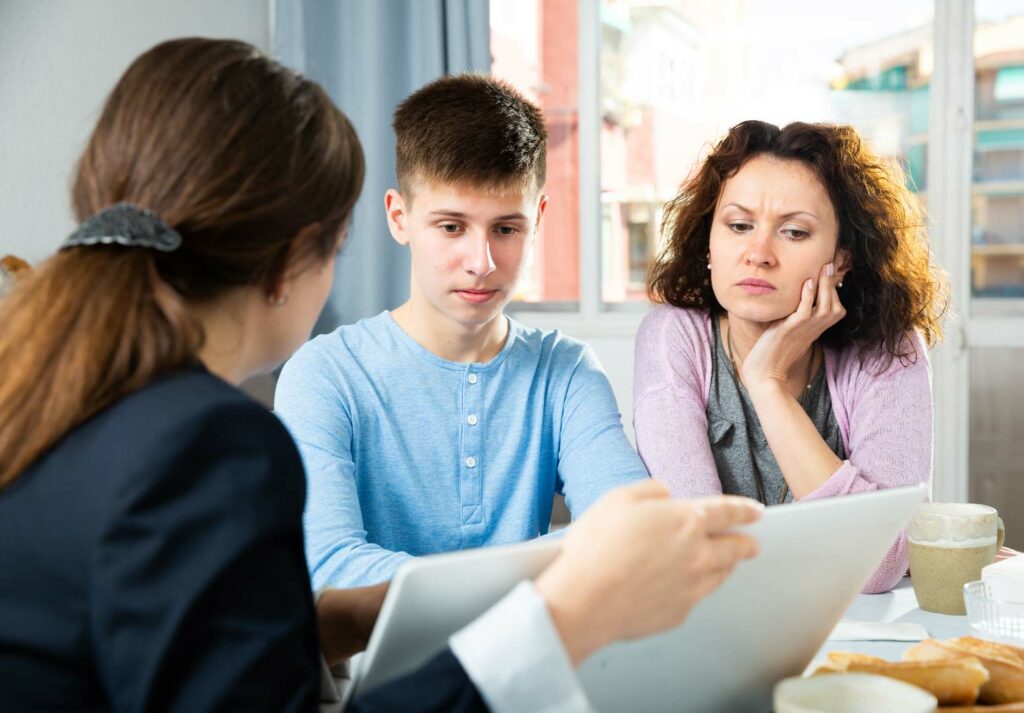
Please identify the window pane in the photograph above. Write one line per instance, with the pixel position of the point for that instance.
(997, 201)
(997, 436)
(676, 75)
(534, 48)
(997, 257)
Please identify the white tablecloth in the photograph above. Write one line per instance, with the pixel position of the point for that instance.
(899, 605)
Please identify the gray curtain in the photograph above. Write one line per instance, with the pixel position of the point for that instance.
(369, 55)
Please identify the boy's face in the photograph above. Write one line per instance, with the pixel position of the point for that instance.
(469, 246)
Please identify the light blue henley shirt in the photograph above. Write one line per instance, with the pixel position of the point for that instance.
(409, 454)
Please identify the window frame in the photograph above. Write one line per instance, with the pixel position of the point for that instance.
(592, 317)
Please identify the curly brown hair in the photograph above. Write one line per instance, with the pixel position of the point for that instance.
(894, 285)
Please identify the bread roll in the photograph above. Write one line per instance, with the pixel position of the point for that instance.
(1005, 664)
(1005, 708)
(953, 681)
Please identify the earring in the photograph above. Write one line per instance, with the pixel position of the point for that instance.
(840, 284)
(278, 301)
(709, 265)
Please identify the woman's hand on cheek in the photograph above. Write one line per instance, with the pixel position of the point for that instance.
(787, 340)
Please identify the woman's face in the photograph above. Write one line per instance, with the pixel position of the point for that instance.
(773, 228)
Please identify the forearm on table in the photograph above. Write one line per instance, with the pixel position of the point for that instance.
(804, 458)
(892, 568)
(345, 619)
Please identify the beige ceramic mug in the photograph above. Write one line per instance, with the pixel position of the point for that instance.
(949, 543)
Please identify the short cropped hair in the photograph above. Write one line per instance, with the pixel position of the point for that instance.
(470, 129)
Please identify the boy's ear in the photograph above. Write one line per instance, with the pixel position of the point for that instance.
(397, 215)
(542, 205)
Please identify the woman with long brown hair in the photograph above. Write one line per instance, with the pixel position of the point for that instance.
(788, 360)
(150, 513)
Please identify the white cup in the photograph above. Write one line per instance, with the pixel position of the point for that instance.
(851, 693)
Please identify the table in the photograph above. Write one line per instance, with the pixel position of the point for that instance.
(899, 605)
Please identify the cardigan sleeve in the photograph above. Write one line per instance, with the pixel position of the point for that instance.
(671, 378)
(888, 409)
(200, 599)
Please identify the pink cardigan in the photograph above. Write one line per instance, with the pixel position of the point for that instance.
(885, 418)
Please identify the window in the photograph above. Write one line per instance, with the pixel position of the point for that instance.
(534, 47)
(997, 205)
(997, 262)
(672, 77)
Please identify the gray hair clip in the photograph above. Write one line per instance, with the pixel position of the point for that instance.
(126, 224)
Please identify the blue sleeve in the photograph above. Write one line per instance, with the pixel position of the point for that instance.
(310, 402)
(199, 599)
(594, 455)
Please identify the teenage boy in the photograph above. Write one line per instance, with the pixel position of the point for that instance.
(444, 424)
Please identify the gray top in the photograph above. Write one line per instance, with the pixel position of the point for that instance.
(742, 456)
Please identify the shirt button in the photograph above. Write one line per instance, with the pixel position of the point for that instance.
(471, 462)
(472, 378)
(472, 420)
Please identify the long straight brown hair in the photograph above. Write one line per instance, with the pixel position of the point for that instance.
(250, 162)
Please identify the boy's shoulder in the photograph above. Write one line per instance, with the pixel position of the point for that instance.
(347, 355)
(549, 344)
(370, 334)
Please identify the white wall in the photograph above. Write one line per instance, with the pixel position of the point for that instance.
(58, 61)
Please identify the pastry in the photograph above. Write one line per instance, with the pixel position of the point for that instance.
(1005, 664)
(953, 681)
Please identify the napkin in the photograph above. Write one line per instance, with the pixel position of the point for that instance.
(850, 630)
(1009, 567)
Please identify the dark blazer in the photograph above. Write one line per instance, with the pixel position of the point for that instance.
(152, 560)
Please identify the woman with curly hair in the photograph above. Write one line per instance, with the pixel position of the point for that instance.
(787, 359)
